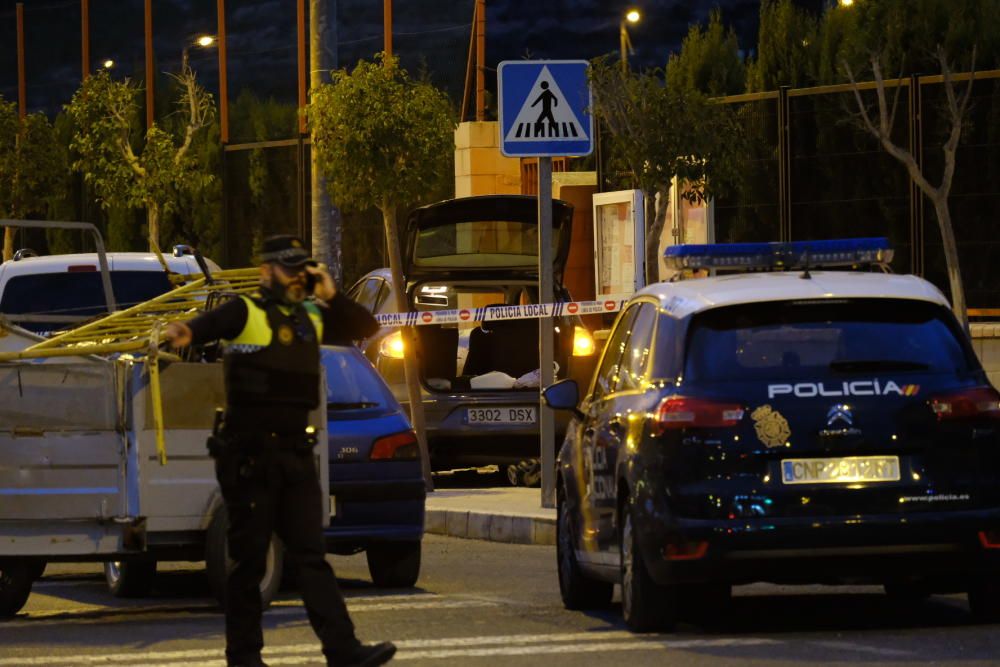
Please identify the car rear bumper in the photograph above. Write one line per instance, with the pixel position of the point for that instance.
(364, 512)
(939, 546)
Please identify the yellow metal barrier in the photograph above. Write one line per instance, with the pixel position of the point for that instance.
(136, 331)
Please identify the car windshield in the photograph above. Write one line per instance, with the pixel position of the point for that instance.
(351, 382)
(822, 338)
(79, 293)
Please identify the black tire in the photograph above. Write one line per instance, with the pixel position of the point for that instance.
(576, 589)
(646, 606)
(218, 563)
(984, 598)
(130, 578)
(38, 568)
(15, 586)
(906, 593)
(394, 564)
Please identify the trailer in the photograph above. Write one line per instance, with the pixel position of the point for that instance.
(102, 449)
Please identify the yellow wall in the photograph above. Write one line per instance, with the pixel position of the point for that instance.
(480, 168)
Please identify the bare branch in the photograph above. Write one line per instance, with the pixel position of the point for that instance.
(865, 116)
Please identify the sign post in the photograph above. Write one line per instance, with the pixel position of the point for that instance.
(544, 113)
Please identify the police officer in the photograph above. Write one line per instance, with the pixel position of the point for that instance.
(264, 460)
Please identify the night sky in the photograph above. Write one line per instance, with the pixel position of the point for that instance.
(429, 35)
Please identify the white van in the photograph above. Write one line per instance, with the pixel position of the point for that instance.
(56, 292)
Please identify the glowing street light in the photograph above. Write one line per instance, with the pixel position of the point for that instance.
(631, 16)
(845, 3)
(205, 41)
(108, 64)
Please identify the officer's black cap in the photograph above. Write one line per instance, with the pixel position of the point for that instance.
(286, 250)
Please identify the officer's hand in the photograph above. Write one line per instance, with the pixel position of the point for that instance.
(177, 334)
(325, 288)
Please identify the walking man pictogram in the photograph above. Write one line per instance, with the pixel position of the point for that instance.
(548, 100)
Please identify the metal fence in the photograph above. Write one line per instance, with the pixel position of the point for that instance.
(813, 172)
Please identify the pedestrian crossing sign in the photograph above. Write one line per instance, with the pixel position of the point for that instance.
(545, 108)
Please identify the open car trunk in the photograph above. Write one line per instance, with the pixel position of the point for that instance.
(477, 355)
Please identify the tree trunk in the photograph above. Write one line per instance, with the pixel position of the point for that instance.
(8, 243)
(153, 222)
(654, 230)
(410, 367)
(943, 213)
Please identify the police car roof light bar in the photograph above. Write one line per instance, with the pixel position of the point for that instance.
(778, 256)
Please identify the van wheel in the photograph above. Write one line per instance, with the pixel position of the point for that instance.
(130, 578)
(984, 598)
(218, 563)
(394, 564)
(646, 606)
(15, 586)
(37, 566)
(906, 593)
(576, 589)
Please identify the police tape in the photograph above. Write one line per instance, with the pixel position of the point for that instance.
(611, 303)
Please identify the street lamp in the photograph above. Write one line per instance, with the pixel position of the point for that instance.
(203, 41)
(845, 3)
(108, 64)
(631, 16)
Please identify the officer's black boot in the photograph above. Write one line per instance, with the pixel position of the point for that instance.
(365, 655)
(246, 661)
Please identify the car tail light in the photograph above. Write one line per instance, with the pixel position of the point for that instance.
(990, 539)
(685, 412)
(583, 343)
(81, 268)
(685, 551)
(398, 446)
(974, 402)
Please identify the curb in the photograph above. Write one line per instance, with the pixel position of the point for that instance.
(508, 528)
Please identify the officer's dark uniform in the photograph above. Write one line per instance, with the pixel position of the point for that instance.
(266, 469)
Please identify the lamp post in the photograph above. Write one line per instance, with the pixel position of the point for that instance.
(631, 16)
(204, 41)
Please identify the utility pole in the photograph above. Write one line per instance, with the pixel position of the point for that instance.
(387, 25)
(327, 233)
(480, 60)
(150, 74)
(85, 37)
(22, 102)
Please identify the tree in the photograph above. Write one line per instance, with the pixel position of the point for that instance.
(32, 168)
(786, 48)
(104, 112)
(880, 127)
(709, 61)
(894, 36)
(381, 138)
(659, 132)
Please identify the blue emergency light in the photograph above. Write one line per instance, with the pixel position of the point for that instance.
(780, 256)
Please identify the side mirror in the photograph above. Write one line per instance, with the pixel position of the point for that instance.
(563, 395)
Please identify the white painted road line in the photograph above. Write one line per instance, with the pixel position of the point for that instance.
(417, 649)
(90, 613)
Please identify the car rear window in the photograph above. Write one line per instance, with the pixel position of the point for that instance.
(79, 293)
(479, 244)
(351, 381)
(818, 338)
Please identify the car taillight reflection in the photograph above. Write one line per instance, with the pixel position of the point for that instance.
(676, 412)
(974, 402)
(396, 447)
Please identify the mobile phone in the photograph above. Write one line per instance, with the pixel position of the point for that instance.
(310, 283)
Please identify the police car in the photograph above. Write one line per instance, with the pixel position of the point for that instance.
(795, 423)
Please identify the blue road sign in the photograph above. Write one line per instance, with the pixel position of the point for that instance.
(544, 108)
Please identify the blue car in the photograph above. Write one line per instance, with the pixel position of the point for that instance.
(377, 491)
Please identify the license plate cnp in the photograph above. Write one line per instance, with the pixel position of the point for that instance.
(842, 470)
(506, 415)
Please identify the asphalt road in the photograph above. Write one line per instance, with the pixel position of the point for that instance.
(481, 603)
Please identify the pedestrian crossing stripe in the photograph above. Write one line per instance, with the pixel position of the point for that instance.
(545, 114)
